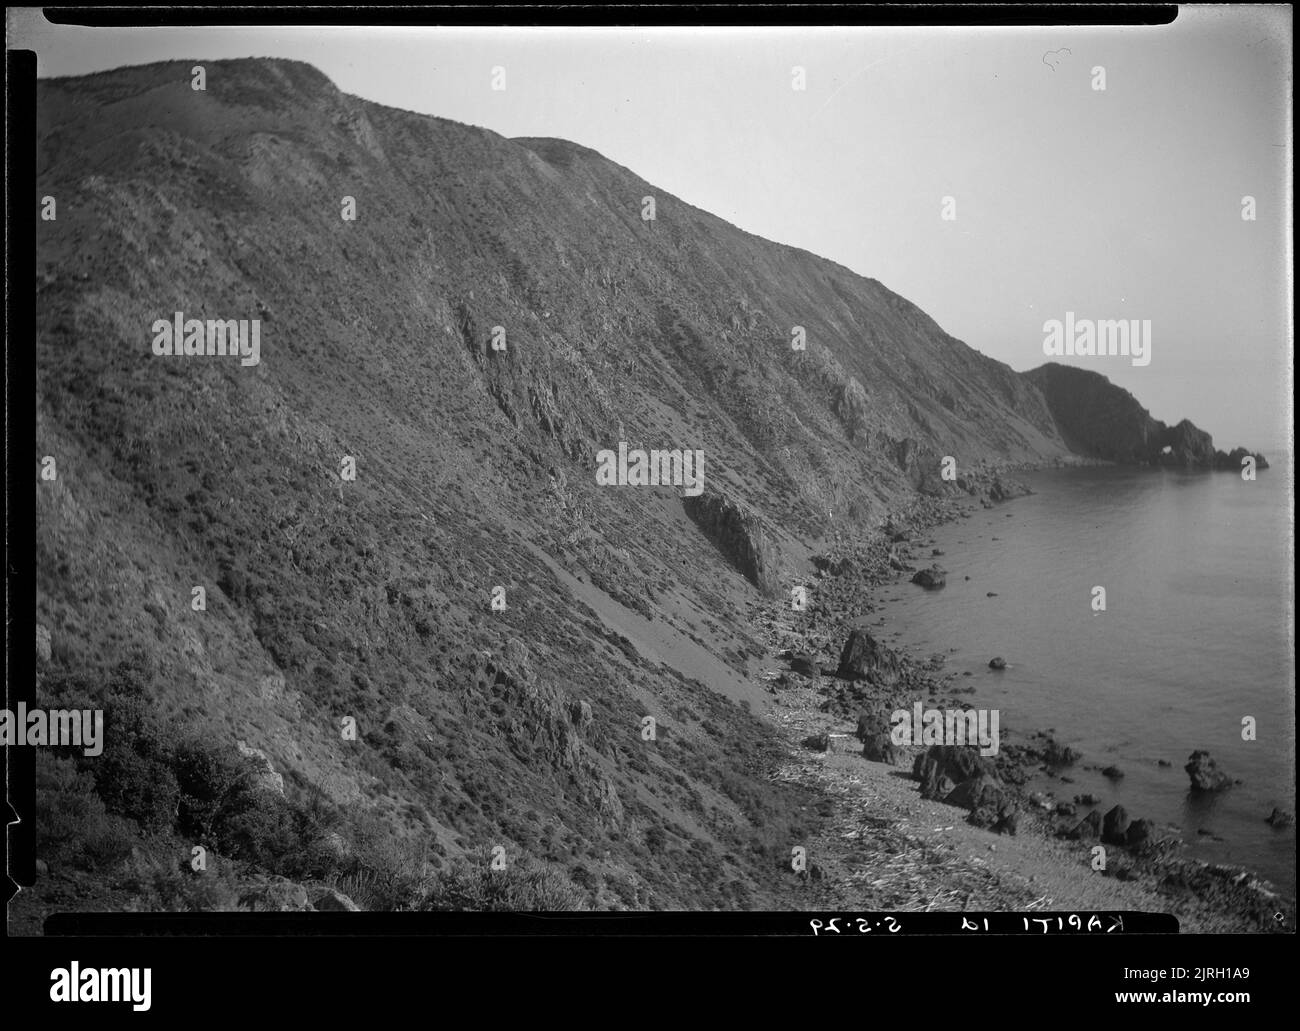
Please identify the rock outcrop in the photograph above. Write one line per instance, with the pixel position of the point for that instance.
(942, 768)
(1114, 826)
(865, 658)
(874, 733)
(739, 535)
(1098, 419)
(1205, 774)
(540, 723)
(267, 779)
(1087, 829)
(331, 900)
(931, 579)
(1140, 833)
(961, 777)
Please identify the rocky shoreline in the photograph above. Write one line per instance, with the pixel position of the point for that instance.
(833, 686)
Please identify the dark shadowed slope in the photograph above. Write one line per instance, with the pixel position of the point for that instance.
(1098, 419)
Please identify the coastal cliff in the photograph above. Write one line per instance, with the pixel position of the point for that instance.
(1098, 419)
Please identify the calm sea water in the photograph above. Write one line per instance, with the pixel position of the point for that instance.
(1198, 633)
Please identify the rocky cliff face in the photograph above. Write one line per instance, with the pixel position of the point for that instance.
(741, 538)
(1100, 420)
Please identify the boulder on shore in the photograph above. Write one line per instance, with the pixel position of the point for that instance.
(1139, 834)
(978, 792)
(879, 748)
(1087, 829)
(1114, 826)
(864, 658)
(874, 733)
(1008, 820)
(942, 768)
(804, 663)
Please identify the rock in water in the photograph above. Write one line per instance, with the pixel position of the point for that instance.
(931, 579)
(1205, 773)
(1057, 754)
(998, 663)
(1280, 818)
(864, 658)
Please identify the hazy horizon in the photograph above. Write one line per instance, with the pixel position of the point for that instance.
(1116, 204)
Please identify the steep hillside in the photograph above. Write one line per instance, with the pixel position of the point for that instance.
(1098, 419)
(370, 599)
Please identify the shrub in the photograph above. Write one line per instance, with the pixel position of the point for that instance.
(385, 870)
(72, 825)
(134, 774)
(222, 805)
(656, 839)
(214, 791)
(194, 789)
(175, 888)
(472, 885)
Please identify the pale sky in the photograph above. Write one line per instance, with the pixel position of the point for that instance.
(1117, 204)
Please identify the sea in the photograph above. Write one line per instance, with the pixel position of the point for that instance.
(1195, 647)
